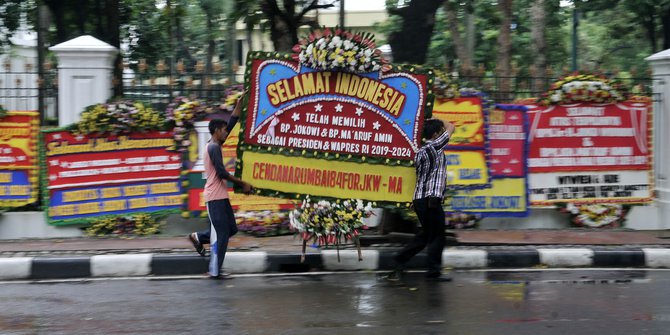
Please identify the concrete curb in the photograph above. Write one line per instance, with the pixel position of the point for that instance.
(123, 265)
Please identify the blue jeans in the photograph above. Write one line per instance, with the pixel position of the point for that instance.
(432, 221)
(222, 227)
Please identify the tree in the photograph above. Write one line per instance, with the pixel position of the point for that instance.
(10, 17)
(463, 50)
(539, 46)
(213, 10)
(284, 21)
(504, 53)
(410, 43)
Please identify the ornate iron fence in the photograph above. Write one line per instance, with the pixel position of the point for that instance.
(509, 89)
(160, 86)
(21, 87)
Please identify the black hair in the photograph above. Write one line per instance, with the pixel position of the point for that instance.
(432, 126)
(216, 124)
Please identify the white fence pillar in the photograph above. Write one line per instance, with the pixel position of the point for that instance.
(202, 130)
(85, 66)
(660, 65)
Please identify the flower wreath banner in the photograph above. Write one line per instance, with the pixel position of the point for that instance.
(590, 143)
(331, 134)
(18, 158)
(468, 149)
(96, 175)
(508, 195)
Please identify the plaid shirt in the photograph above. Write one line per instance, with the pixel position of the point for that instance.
(431, 168)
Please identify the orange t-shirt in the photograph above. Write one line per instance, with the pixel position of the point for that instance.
(216, 187)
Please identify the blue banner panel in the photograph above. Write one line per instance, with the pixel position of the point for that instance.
(85, 202)
(15, 185)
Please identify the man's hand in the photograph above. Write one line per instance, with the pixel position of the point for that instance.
(247, 188)
(238, 105)
(449, 127)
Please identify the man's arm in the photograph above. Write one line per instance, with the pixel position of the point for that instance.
(236, 114)
(216, 157)
(441, 141)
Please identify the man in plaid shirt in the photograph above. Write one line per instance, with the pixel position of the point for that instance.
(431, 182)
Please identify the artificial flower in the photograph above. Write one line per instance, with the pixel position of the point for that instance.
(339, 51)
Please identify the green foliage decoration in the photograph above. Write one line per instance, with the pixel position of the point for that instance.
(135, 225)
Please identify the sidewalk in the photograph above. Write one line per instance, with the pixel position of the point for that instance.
(174, 255)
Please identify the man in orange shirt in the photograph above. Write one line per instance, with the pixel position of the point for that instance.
(219, 210)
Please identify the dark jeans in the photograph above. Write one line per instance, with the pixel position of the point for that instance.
(432, 235)
(222, 227)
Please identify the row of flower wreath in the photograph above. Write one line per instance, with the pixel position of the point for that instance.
(124, 116)
(328, 223)
(602, 215)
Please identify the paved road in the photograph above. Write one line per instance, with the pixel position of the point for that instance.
(487, 302)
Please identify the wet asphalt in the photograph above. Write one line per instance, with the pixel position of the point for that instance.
(521, 301)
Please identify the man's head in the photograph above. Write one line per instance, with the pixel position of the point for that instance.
(217, 128)
(432, 128)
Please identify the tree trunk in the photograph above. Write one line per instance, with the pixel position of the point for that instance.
(113, 37)
(470, 32)
(450, 8)
(503, 59)
(211, 46)
(250, 38)
(279, 26)
(410, 43)
(650, 28)
(539, 45)
(284, 24)
(82, 13)
(666, 30)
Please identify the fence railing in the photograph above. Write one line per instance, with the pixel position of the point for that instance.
(163, 84)
(159, 89)
(509, 89)
(22, 89)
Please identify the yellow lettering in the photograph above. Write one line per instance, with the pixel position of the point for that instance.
(272, 92)
(319, 83)
(385, 99)
(174, 200)
(289, 94)
(281, 91)
(378, 93)
(308, 83)
(114, 205)
(64, 210)
(138, 203)
(372, 88)
(395, 110)
(113, 192)
(135, 190)
(326, 76)
(81, 195)
(297, 87)
(93, 207)
(164, 188)
(344, 83)
(5, 177)
(353, 85)
(362, 88)
(19, 190)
